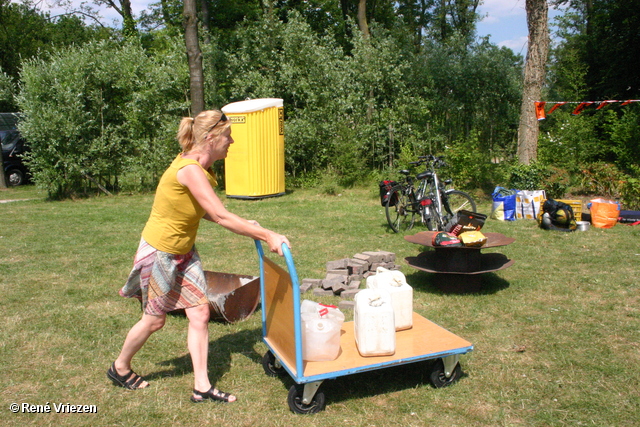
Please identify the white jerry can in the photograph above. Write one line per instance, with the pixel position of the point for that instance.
(401, 293)
(374, 325)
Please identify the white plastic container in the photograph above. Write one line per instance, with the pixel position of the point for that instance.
(373, 322)
(401, 293)
(321, 326)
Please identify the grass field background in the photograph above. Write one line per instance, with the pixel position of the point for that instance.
(556, 336)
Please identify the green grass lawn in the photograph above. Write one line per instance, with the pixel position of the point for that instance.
(556, 336)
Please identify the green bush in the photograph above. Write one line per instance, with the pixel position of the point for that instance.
(103, 115)
(527, 177)
(601, 179)
(630, 193)
(624, 132)
(555, 181)
(468, 164)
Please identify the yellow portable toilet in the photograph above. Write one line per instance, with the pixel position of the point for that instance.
(254, 167)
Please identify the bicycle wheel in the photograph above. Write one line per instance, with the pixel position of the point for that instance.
(430, 218)
(400, 215)
(455, 200)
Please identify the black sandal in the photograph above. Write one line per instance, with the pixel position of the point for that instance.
(213, 394)
(130, 380)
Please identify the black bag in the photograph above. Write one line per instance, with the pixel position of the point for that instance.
(557, 216)
(629, 217)
(385, 187)
(465, 220)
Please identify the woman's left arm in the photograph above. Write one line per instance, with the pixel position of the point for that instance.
(192, 177)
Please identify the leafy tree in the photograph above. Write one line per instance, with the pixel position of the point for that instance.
(613, 49)
(165, 14)
(595, 60)
(441, 20)
(123, 7)
(473, 96)
(7, 93)
(90, 10)
(228, 14)
(290, 62)
(27, 33)
(568, 69)
(455, 18)
(326, 93)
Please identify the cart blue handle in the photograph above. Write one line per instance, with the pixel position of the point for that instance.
(297, 328)
(286, 253)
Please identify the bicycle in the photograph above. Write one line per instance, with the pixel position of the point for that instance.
(430, 200)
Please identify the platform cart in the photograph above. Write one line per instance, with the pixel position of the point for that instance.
(282, 333)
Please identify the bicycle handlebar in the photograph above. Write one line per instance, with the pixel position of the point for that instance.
(435, 161)
(431, 160)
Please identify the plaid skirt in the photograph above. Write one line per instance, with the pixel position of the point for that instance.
(165, 282)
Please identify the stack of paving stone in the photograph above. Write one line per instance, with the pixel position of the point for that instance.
(346, 276)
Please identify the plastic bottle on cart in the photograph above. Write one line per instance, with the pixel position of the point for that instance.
(321, 326)
(374, 323)
(401, 293)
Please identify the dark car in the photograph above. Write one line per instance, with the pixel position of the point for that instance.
(13, 146)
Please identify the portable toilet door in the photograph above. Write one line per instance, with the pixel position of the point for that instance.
(254, 167)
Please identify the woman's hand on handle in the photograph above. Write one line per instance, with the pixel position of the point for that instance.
(275, 241)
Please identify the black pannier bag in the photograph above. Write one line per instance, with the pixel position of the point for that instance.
(385, 187)
(557, 215)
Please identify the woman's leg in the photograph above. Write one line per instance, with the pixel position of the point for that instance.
(134, 341)
(198, 344)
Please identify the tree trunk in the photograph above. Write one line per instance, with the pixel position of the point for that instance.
(194, 55)
(534, 74)
(362, 18)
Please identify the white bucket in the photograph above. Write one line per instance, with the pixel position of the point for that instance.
(401, 293)
(373, 322)
(320, 332)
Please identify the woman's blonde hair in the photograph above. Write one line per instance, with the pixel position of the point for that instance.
(193, 131)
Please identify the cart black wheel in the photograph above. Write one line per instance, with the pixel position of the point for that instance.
(294, 399)
(270, 365)
(439, 379)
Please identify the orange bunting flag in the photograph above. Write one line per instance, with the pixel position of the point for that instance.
(581, 107)
(540, 110)
(558, 104)
(540, 114)
(603, 103)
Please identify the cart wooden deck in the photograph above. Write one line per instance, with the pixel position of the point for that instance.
(282, 333)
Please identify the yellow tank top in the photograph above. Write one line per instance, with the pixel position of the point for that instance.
(175, 214)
